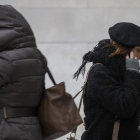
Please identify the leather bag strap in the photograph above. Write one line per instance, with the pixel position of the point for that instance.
(116, 130)
(50, 75)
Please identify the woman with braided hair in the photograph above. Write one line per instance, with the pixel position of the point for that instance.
(113, 85)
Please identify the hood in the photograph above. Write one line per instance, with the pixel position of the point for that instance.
(14, 29)
(116, 64)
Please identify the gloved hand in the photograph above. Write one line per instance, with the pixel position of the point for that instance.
(132, 63)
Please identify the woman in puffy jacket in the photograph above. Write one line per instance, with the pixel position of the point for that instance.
(22, 75)
(113, 85)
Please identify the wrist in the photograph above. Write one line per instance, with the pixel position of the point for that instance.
(132, 64)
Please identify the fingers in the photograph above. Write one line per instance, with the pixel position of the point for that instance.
(132, 55)
(127, 57)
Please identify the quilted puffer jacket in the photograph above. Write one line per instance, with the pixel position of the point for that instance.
(22, 75)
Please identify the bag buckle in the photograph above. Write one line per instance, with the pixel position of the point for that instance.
(5, 115)
(73, 132)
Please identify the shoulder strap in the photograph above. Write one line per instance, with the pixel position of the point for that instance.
(116, 129)
(50, 75)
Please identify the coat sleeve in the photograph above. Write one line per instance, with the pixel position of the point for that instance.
(122, 100)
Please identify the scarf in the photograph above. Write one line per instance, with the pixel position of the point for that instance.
(117, 63)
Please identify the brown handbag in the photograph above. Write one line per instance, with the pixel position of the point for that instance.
(57, 111)
(116, 123)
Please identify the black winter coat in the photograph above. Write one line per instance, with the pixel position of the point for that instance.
(111, 90)
(22, 70)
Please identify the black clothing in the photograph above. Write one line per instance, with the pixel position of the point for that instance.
(125, 33)
(22, 75)
(111, 90)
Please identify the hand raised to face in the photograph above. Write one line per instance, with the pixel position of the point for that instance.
(132, 63)
(132, 55)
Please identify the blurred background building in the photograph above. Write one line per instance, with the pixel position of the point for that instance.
(66, 29)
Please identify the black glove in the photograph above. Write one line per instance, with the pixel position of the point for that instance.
(132, 64)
